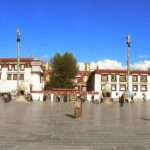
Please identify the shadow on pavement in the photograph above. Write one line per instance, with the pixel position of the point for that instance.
(145, 118)
(71, 116)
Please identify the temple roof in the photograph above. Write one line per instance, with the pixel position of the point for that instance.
(15, 59)
(108, 71)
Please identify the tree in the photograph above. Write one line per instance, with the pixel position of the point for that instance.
(65, 69)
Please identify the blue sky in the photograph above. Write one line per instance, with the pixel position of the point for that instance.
(92, 30)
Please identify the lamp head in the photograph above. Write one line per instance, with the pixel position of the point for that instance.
(128, 38)
(18, 34)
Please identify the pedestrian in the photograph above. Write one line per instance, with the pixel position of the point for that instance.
(121, 99)
(144, 97)
(44, 97)
(78, 108)
(92, 98)
(6, 98)
(9, 97)
(132, 99)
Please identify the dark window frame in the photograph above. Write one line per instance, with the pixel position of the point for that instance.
(104, 75)
(9, 75)
(14, 75)
(134, 86)
(124, 86)
(114, 85)
(114, 79)
(145, 88)
(145, 78)
(22, 69)
(10, 68)
(21, 75)
(122, 76)
(15, 68)
(133, 78)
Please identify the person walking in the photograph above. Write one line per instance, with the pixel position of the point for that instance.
(121, 99)
(78, 108)
(144, 97)
(132, 99)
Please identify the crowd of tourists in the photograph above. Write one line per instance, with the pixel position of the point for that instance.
(6, 97)
(12, 96)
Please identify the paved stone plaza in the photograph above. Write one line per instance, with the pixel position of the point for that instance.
(50, 125)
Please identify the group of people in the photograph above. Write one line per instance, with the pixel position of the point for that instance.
(11, 96)
(6, 97)
(123, 98)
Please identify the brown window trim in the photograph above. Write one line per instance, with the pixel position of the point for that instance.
(22, 76)
(9, 68)
(145, 80)
(8, 76)
(114, 85)
(136, 78)
(21, 68)
(115, 78)
(145, 88)
(104, 80)
(122, 85)
(14, 75)
(133, 88)
(120, 78)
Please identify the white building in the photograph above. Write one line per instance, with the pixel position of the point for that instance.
(30, 73)
(139, 82)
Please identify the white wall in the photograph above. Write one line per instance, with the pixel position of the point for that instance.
(139, 95)
(97, 81)
(37, 96)
(29, 78)
(37, 85)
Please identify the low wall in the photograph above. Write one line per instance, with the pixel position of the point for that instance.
(37, 96)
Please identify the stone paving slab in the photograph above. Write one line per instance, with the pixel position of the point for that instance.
(50, 126)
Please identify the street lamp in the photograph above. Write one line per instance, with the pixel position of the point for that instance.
(128, 59)
(18, 57)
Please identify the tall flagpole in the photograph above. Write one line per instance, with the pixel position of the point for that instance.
(128, 60)
(18, 57)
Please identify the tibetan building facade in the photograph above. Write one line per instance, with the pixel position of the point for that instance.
(139, 82)
(30, 74)
(97, 80)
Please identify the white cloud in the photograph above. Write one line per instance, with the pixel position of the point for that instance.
(113, 64)
(143, 65)
(45, 57)
(102, 64)
(109, 64)
(144, 56)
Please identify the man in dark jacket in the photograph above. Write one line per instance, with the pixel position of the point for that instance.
(121, 99)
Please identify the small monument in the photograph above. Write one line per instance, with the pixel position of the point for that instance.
(107, 94)
(21, 97)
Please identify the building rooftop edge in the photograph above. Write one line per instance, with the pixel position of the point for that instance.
(99, 71)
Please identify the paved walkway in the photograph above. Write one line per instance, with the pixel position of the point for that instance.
(50, 125)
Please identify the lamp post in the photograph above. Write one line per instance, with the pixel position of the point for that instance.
(18, 57)
(128, 60)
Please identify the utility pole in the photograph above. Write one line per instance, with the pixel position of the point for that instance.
(128, 60)
(18, 57)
